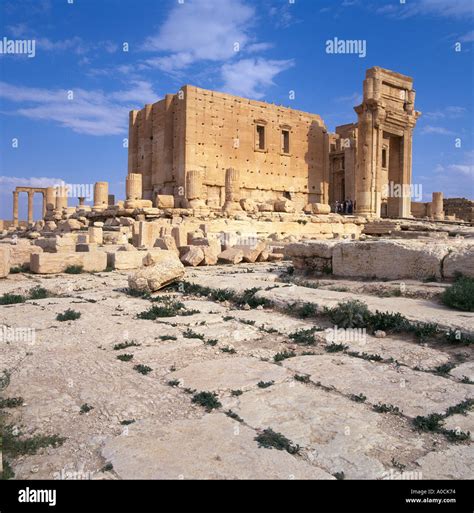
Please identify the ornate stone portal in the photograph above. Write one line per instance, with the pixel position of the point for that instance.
(386, 119)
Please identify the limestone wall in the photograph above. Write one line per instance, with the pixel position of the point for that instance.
(201, 130)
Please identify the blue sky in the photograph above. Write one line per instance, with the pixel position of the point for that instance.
(67, 108)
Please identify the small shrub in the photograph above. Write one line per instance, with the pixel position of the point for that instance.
(39, 293)
(167, 309)
(248, 298)
(12, 299)
(279, 357)
(125, 357)
(11, 402)
(173, 383)
(15, 445)
(456, 436)
(234, 416)
(236, 393)
(386, 321)
(304, 311)
(454, 336)
(270, 439)
(461, 408)
(107, 467)
(304, 337)
(208, 400)
(359, 398)
(424, 330)
(340, 476)
(143, 369)
(125, 345)
(444, 369)
(211, 342)
(335, 348)
(68, 315)
(386, 408)
(189, 333)
(349, 314)
(86, 408)
(168, 337)
(301, 378)
(229, 350)
(460, 295)
(265, 384)
(429, 423)
(127, 422)
(74, 269)
(19, 269)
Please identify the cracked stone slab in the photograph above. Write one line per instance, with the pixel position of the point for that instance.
(407, 353)
(461, 422)
(337, 434)
(229, 374)
(464, 370)
(415, 393)
(456, 462)
(212, 447)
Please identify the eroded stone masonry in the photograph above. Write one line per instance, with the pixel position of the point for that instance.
(217, 178)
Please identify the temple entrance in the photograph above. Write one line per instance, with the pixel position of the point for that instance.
(394, 186)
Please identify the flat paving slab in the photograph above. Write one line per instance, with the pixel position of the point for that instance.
(212, 447)
(414, 393)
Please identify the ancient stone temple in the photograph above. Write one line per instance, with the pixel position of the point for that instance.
(275, 151)
(371, 160)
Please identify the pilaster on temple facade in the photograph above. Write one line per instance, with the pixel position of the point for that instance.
(386, 119)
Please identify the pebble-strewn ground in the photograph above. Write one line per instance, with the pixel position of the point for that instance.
(321, 401)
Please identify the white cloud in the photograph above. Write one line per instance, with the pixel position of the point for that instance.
(430, 129)
(91, 112)
(354, 98)
(248, 77)
(451, 112)
(8, 183)
(201, 30)
(443, 8)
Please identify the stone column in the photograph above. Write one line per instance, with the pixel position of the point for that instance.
(437, 206)
(61, 197)
(101, 195)
(31, 195)
(133, 186)
(365, 169)
(232, 191)
(194, 189)
(50, 198)
(43, 210)
(15, 208)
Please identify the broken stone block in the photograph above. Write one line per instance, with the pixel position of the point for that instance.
(251, 252)
(369, 259)
(127, 221)
(231, 256)
(86, 247)
(284, 205)
(154, 277)
(210, 255)
(210, 242)
(193, 256)
(321, 208)
(275, 257)
(266, 207)
(69, 225)
(249, 205)
(96, 234)
(196, 234)
(166, 242)
(54, 263)
(4, 261)
(164, 201)
(459, 261)
(263, 257)
(180, 235)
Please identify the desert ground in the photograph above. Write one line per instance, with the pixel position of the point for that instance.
(232, 374)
